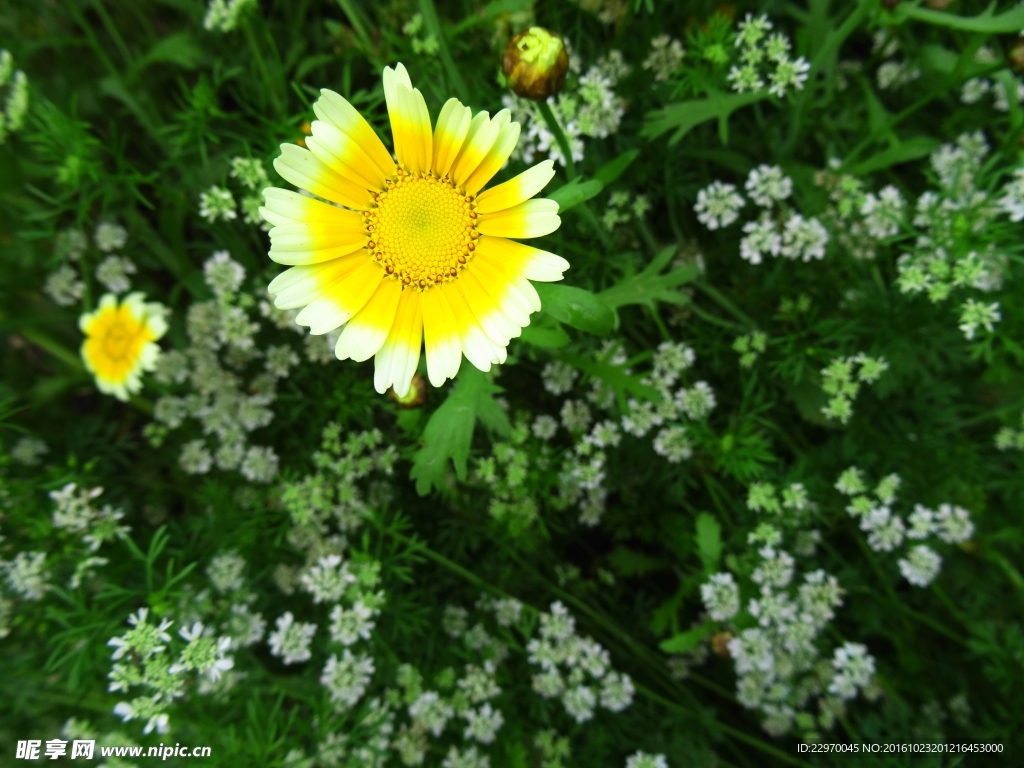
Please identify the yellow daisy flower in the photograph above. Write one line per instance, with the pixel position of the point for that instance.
(411, 249)
(120, 342)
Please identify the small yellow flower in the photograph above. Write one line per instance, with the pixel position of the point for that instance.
(412, 249)
(120, 342)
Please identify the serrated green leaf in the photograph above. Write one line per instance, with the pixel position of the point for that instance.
(449, 432)
(180, 48)
(545, 336)
(649, 287)
(684, 641)
(684, 116)
(614, 376)
(575, 192)
(904, 152)
(577, 308)
(988, 22)
(709, 542)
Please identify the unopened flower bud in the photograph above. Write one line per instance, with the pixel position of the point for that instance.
(535, 63)
(415, 397)
(720, 643)
(1017, 55)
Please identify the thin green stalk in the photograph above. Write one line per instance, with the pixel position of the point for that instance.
(894, 598)
(647, 235)
(73, 361)
(455, 80)
(560, 138)
(115, 34)
(709, 318)
(570, 173)
(596, 225)
(721, 300)
(54, 347)
(257, 54)
(737, 734)
(1007, 567)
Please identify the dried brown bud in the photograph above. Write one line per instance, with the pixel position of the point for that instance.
(890, 4)
(535, 63)
(415, 397)
(938, 5)
(720, 643)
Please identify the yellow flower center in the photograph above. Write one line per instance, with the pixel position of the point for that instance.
(119, 340)
(422, 229)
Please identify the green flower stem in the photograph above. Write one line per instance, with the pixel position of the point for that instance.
(739, 735)
(710, 318)
(55, 348)
(359, 24)
(647, 235)
(115, 35)
(73, 361)
(894, 600)
(563, 142)
(433, 26)
(257, 54)
(720, 299)
(1007, 567)
(570, 173)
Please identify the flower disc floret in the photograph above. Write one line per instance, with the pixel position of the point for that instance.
(422, 230)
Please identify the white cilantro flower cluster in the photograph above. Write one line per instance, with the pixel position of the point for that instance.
(665, 57)
(718, 205)
(225, 15)
(761, 56)
(781, 232)
(75, 513)
(472, 693)
(64, 285)
(575, 669)
(842, 380)
(777, 662)
(142, 659)
(887, 531)
(15, 108)
(222, 343)
(977, 88)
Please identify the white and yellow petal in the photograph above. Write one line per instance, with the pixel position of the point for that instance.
(338, 302)
(366, 332)
(299, 286)
(303, 169)
(441, 338)
(516, 190)
(450, 134)
(410, 120)
(483, 132)
(495, 159)
(477, 346)
(343, 155)
(335, 109)
(532, 218)
(398, 358)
